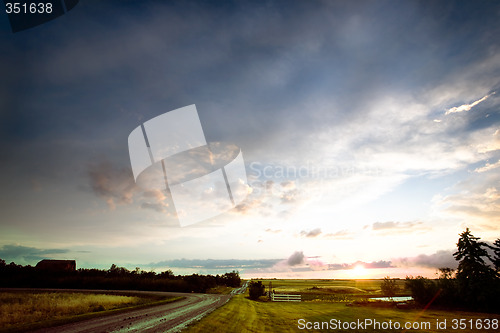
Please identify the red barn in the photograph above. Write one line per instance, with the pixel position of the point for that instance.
(57, 265)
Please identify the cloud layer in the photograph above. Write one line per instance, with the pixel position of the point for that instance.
(363, 126)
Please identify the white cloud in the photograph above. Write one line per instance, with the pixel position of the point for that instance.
(488, 167)
(475, 201)
(467, 107)
(396, 225)
(489, 143)
(312, 233)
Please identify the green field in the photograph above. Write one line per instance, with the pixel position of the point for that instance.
(332, 290)
(20, 310)
(244, 315)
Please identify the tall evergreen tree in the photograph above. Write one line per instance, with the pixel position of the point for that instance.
(496, 255)
(470, 255)
(476, 280)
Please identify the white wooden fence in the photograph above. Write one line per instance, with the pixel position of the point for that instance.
(285, 298)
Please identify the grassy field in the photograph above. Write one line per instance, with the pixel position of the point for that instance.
(23, 310)
(244, 315)
(332, 290)
(368, 285)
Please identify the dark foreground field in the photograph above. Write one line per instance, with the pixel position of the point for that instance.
(327, 306)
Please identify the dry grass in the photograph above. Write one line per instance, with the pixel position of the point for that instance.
(25, 308)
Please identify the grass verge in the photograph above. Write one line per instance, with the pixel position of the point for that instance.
(244, 315)
(28, 310)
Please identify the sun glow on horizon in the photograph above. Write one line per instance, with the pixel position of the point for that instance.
(359, 271)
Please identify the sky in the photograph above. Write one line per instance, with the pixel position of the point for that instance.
(369, 132)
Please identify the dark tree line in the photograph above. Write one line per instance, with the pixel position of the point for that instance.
(115, 278)
(475, 285)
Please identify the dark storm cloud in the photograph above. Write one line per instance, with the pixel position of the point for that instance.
(368, 265)
(297, 258)
(239, 52)
(268, 76)
(114, 185)
(259, 67)
(25, 254)
(439, 259)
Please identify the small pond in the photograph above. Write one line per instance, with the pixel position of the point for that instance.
(392, 299)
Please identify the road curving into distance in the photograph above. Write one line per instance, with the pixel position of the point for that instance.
(170, 317)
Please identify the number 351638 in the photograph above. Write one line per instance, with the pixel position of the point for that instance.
(31, 8)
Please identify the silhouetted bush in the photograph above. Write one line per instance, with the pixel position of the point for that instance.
(389, 287)
(422, 289)
(256, 289)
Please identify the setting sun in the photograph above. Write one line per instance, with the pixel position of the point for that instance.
(359, 271)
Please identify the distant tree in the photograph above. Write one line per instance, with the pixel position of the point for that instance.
(389, 287)
(256, 289)
(496, 255)
(446, 273)
(422, 289)
(167, 274)
(232, 279)
(118, 271)
(447, 287)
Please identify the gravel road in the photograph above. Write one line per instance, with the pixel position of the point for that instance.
(171, 317)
